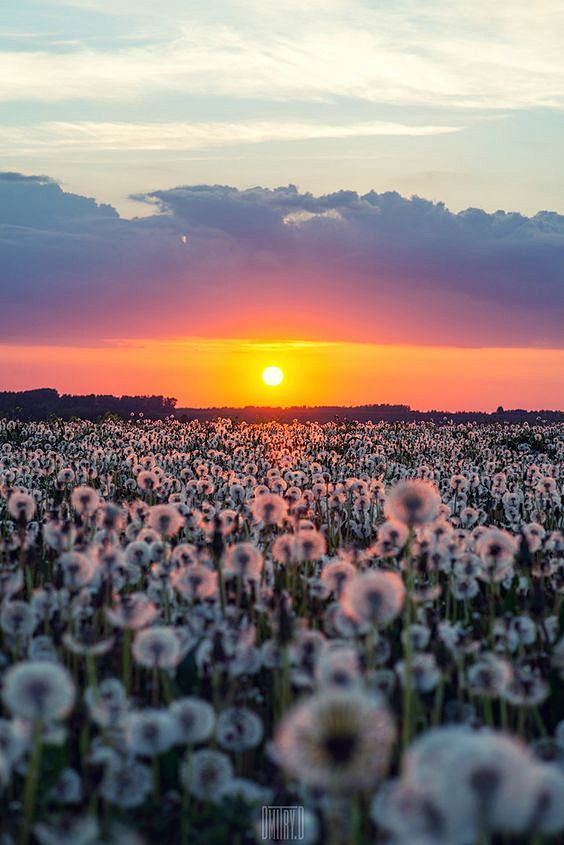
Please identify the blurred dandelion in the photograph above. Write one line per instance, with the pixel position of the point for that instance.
(339, 741)
(375, 597)
(413, 502)
(38, 690)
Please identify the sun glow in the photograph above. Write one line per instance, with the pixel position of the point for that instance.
(228, 372)
(272, 376)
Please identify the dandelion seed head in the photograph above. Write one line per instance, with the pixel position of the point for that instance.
(38, 690)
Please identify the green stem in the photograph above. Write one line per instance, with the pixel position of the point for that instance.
(221, 583)
(156, 776)
(32, 778)
(504, 714)
(407, 653)
(185, 804)
(438, 703)
(521, 716)
(184, 816)
(285, 702)
(166, 686)
(126, 659)
(91, 675)
(356, 821)
(156, 686)
(538, 721)
(488, 711)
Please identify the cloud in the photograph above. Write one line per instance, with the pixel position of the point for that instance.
(217, 261)
(450, 54)
(100, 136)
(11, 176)
(38, 201)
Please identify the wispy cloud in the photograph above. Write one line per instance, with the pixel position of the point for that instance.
(92, 135)
(446, 54)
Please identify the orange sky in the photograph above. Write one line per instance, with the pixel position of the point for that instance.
(203, 372)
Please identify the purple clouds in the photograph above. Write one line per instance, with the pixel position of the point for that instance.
(215, 261)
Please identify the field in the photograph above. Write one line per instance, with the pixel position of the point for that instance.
(199, 620)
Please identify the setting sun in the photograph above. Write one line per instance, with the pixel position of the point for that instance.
(272, 376)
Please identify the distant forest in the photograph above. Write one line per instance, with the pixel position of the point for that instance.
(45, 403)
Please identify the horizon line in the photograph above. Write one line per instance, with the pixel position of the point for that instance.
(399, 406)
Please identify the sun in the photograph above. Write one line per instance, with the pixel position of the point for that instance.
(272, 376)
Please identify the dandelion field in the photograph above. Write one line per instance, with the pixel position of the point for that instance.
(201, 619)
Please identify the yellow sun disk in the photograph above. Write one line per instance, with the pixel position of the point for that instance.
(272, 376)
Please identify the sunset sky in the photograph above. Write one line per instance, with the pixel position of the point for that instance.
(369, 195)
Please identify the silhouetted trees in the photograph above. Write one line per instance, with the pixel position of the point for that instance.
(45, 402)
(364, 413)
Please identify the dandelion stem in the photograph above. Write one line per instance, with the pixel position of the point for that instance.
(488, 711)
(221, 582)
(166, 686)
(156, 776)
(184, 816)
(285, 694)
(91, 674)
(155, 686)
(126, 659)
(538, 721)
(32, 778)
(356, 821)
(407, 652)
(438, 703)
(521, 717)
(504, 714)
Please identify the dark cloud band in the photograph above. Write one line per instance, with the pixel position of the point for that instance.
(214, 259)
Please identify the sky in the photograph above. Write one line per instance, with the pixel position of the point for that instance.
(368, 194)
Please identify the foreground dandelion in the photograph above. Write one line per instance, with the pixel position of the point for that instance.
(374, 597)
(194, 720)
(165, 519)
(206, 774)
(238, 728)
(460, 785)
(125, 783)
(38, 691)
(156, 647)
(413, 502)
(337, 741)
(150, 732)
(244, 560)
(21, 506)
